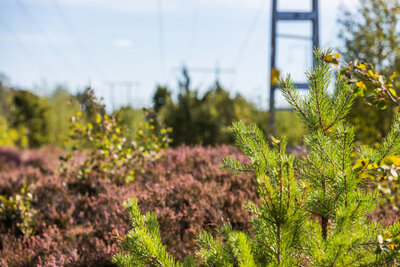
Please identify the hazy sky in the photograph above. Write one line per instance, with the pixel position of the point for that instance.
(72, 42)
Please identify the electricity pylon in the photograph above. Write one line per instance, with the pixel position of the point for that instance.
(288, 16)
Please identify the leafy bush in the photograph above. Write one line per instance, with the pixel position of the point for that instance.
(371, 34)
(16, 212)
(111, 154)
(312, 210)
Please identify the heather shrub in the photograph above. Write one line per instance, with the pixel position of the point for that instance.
(80, 225)
(191, 193)
(9, 157)
(76, 221)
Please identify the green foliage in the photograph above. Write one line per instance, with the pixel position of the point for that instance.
(131, 119)
(4, 94)
(205, 120)
(62, 106)
(288, 125)
(376, 89)
(111, 154)
(10, 137)
(161, 97)
(30, 111)
(277, 222)
(312, 209)
(143, 242)
(234, 250)
(18, 209)
(28, 120)
(383, 165)
(371, 34)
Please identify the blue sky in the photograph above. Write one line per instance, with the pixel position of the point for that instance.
(74, 42)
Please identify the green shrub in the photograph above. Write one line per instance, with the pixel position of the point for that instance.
(16, 212)
(11, 137)
(131, 119)
(29, 111)
(111, 153)
(312, 209)
(62, 106)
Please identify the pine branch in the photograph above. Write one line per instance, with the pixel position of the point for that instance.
(143, 242)
(317, 100)
(236, 166)
(288, 90)
(241, 249)
(342, 112)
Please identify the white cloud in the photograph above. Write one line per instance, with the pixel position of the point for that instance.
(123, 42)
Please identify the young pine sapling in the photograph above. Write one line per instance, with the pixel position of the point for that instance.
(312, 209)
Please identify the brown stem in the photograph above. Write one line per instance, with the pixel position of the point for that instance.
(279, 244)
(324, 225)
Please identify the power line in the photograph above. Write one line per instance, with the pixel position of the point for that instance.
(161, 35)
(34, 59)
(43, 36)
(217, 70)
(249, 34)
(84, 51)
(113, 85)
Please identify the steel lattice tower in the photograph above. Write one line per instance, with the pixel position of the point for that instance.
(289, 16)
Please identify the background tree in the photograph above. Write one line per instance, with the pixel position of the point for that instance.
(205, 119)
(4, 95)
(62, 106)
(371, 34)
(161, 97)
(30, 111)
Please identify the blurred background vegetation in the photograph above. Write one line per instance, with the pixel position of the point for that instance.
(29, 120)
(369, 34)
